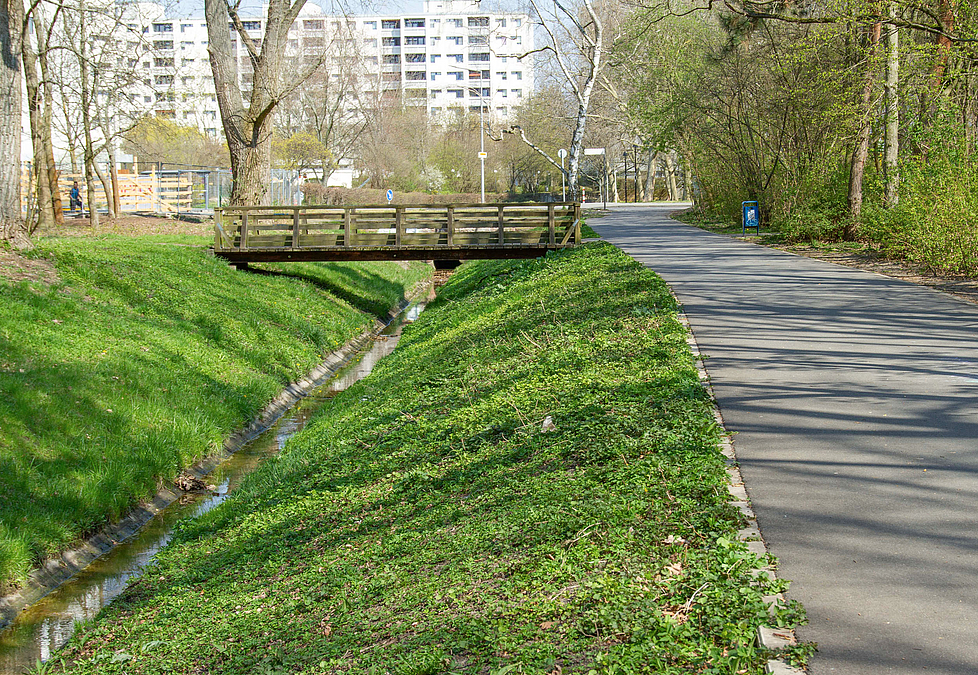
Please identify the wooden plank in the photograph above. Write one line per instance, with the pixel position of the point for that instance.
(501, 222)
(398, 224)
(244, 230)
(551, 225)
(347, 225)
(295, 229)
(451, 224)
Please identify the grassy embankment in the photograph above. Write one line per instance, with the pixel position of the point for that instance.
(142, 359)
(430, 519)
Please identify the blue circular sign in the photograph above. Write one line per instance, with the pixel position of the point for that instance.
(390, 195)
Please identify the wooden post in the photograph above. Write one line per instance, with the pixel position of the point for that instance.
(551, 225)
(451, 225)
(218, 229)
(501, 221)
(347, 225)
(295, 227)
(244, 229)
(398, 224)
(577, 223)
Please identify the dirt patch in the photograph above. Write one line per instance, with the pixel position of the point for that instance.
(16, 268)
(961, 287)
(131, 226)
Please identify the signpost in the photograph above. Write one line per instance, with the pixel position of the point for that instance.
(752, 216)
(390, 196)
(563, 188)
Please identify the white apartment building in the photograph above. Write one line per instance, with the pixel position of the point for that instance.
(451, 57)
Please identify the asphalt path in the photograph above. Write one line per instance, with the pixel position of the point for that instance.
(853, 398)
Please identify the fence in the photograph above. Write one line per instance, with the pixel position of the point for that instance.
(170, 191)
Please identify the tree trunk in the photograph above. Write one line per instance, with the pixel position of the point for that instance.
(648, 189)
(47, 88)
(857, 167)
(249, 130)
(35, 108)
(12, 227)
(114, 172)
(892, 149)
(671, 178)
(88, 152)
(106, 189)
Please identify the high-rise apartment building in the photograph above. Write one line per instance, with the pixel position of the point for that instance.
(451, 57)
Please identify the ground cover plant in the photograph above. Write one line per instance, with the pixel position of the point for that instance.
(138, 356)
(530, 483)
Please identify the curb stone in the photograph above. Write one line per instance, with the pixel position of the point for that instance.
(55, 572)
(767, 637)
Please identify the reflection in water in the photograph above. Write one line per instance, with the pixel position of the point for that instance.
(43, 628)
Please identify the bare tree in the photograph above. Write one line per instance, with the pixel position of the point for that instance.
(248, 129)
(576, 43)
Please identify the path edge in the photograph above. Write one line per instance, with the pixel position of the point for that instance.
(768, 637)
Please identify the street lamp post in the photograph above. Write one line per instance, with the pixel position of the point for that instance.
(624, 157)
(635, 160)
(482, 141)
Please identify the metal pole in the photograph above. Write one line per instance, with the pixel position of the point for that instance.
(606, 179)
(635, 159)
(563, 189)
(482, 143)
(624, 155)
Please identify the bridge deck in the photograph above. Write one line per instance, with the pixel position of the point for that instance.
(407, 232)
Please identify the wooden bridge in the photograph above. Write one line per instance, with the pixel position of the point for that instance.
(410, 232)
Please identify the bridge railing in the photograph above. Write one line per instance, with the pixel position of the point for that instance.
(265, 228)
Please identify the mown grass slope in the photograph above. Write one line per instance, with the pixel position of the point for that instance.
(143, 358)
(530, 483)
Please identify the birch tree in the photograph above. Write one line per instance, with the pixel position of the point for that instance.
(575, 41)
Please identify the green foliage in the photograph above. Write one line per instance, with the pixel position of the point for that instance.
(531, 480)
(141, 360)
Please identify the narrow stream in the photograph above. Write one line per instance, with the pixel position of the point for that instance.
(43, 628)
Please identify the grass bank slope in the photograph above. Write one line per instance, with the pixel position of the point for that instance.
(141, 359)
(530, 483)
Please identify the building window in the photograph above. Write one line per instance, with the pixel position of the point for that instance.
(392, 58)
(414, 40)
(163, 44)
(370, 42)
(185, 26)
(163, 79)
(390, 24)
(458, 59)
(415, 58)
(313, 24)
(147, 99)
(435, 57)
(372, 25)
(458, 74)
(517, 22)
(251, 25)
(501, 93)
(457, 39)
(415, 75)
(478, 22)
(434, 75)
(518, 93)
(478, 40)
(163, 63)
(517, 74)
(482, 56)
(455, 22)
(501, 23)
(162, 27)
(391, 41)
(501, 75)
(414, 23)
(458, 93)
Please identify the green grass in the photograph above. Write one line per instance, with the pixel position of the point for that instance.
(426, 522)
(141, 360)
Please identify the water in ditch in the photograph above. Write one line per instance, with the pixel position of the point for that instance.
(43, 628)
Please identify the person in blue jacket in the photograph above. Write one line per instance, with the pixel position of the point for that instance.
(74, 198)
